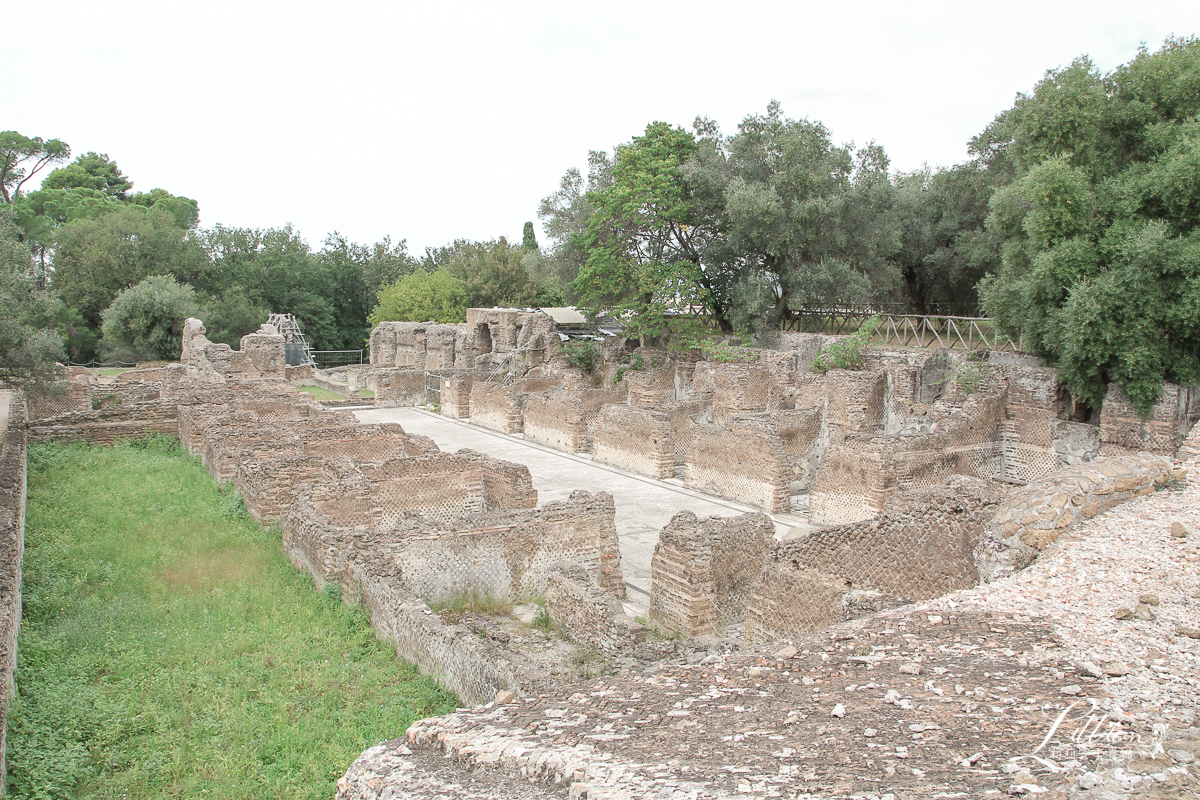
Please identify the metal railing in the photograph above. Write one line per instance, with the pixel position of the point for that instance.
(328, 359)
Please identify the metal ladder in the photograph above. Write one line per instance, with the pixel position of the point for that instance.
(289, 327)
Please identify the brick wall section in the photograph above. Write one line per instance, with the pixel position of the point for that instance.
(400, 387)
(682, 417)
(739, 389)
(319, 540)
(267, 486)
(62, 398)
(505, 553)
(744, 461)
(800, 432)
(1027, 431)
(474, 668)
(650, 388)
(790, 599)
(855, 400)
(110, 424)
(496, 406)
(703, 571)
(12, 552)
(590, 615)
(456, 397)
(556, 421)
(635, 439)
(594, 401)
(1190, 448)
(1038, 514)
(1122, 430)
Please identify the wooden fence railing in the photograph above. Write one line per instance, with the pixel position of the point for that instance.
(904, 330)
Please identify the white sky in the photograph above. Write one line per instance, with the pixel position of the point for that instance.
(434, 121)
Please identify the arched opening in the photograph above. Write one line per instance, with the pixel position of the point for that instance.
(483, 339)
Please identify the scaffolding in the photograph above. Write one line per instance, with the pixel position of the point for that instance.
(298, 353)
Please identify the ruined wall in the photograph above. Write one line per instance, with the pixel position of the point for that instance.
(858, 475)
(634, 439)
(12, 552)
(267, 486)
(1039, 513)
(445, 486)
(1122, 430)
(556, 421)
(922, 545)
(474, 668)
(262, 355)
(319, 538)
(508, 553)
(1035, 401)
(425, 345)
(64, 397)
(650, 388)
(594, 401)
(800, 432)
(496, 406)
(703, 571)
(683, 417)
(738, 389)
(400, 387)
(744, 461)
(588, 614)
(110, 424)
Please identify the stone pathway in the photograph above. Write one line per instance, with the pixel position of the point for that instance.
(644, 505)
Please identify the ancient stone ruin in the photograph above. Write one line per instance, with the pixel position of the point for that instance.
(878, 490)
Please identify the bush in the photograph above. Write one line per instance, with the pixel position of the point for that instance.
(582, 355)
(847, 353)
(145, 322)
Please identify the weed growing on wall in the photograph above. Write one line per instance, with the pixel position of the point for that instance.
(581, 354)
(847, 352)
(169, 649)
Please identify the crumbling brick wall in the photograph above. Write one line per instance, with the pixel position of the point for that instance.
(1035, 400)
(922, 545)
(12, 552)
(744, 461)
(739, 389)
(425, 345)
(400, 387)
(683, 416)
(64, 397)
(594, 401)
(651, 388)
(588, 614)
(703, 571)
(556, 421)
(496, 406)
(262, 355)
(635, 439)
(1123, 431)
(474, 668)
(267, 486)
(319, 538)
(1033, 517)
(508, 553)
(800, 432)
(109, 424)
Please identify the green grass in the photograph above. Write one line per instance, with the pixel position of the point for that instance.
(111, 373)
(321, 395)
(168, 648)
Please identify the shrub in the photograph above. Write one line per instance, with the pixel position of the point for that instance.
(847, 353)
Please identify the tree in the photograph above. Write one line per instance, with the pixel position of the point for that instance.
(1100, 261)
(564, 217)
(22, 157)
(28, 347)
(493, 273)
(145, 322)
(96, 258)
(422, 297)
(643, 246)
(528, 239)
(91, 171)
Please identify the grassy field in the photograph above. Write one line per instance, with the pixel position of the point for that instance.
(168, 648)
(322, 395)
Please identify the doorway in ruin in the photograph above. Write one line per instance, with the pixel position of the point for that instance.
(483, 339)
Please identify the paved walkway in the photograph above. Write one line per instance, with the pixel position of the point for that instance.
(644, 505)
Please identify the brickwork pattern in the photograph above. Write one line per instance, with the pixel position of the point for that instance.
(1038, 514)
(703, 571)
(474, 668)
(589, 614)
(12, 552)
(683, 417)
(496, 406)
(557, 422)
(110, 424)
(651, 388)
(635, 439)
(739, 389)
(1122, 430)
(744, 461)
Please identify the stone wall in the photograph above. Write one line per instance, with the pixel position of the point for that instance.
(109, 424)
(923, 545)
(262, 355)
(703, 571)
(1122, 429)
(496, 406)
(267, 486)
(1035, 401)
(683, 416)
(744, 461)
(556, 421)
(1039, 513)
(588, 614)
(400, 387)
(508, 553)
(474, 668)
(636, 440)
(65, 397)
(739, 389)
(425, 345)
(12, 551)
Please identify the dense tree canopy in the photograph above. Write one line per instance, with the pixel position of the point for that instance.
(1100, 266)
(22, 157)
(28, 347)
(422, 297)
(145, 322)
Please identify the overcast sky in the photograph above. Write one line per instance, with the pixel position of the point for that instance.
(435, 121)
